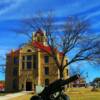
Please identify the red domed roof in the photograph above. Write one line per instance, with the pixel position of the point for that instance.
(40, 32)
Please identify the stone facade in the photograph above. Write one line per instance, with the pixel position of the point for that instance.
(30, 66)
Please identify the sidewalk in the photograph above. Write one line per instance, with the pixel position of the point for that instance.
(13, 95)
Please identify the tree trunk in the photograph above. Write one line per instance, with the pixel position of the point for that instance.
(61, 91)
(61, 74)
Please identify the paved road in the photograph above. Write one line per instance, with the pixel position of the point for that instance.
(13, 95)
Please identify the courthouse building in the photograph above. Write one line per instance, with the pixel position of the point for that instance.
(31, 65)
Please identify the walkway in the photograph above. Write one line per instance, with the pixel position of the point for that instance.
(13, 95)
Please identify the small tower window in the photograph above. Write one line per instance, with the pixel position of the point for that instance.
(46, 59)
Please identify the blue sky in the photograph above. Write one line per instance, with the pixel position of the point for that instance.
(12, 11)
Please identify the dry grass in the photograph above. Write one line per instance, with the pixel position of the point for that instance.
(24, 97)
(75, 94)
(83, 94)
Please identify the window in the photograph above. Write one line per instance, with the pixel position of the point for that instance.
(46, 82)
(46, 70)
(46, 59)
(29, 57)
(39, 39)
(16, 60)
(29, 50)
(29, 65)
(15, 71)
(29, 61)
(14, 84)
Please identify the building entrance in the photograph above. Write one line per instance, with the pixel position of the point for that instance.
(28, 86)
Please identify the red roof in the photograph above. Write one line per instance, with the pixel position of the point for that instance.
(38, 45)
(40, 32)
(42, 47)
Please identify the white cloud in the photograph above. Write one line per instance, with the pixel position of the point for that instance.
(13, 5)
(77, 7)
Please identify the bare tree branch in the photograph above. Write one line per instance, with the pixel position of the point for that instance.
(73, 34)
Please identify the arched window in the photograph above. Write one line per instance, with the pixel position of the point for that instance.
(29, 50)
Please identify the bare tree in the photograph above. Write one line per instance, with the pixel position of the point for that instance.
(76, 70)
(72, 37)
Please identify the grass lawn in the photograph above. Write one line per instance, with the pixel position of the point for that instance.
(75, 94)
(83, 94)
(25, 97)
